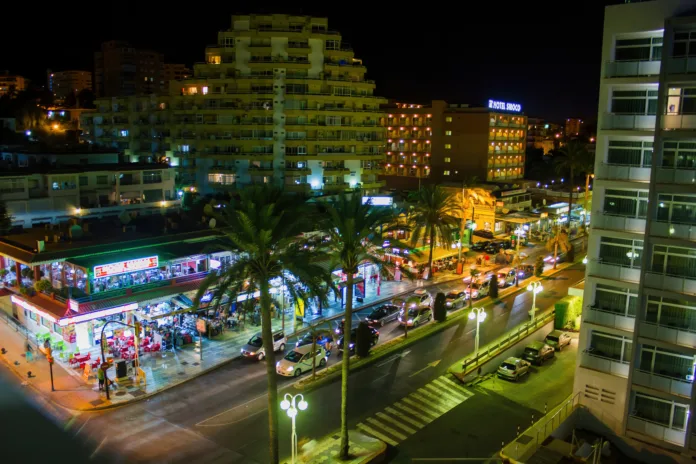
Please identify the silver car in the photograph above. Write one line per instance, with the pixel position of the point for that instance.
(513, 368)
(557, 340)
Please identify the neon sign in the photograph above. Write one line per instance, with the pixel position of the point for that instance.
(504, 106)
(123, 267)
(98, 314)
(30, 307)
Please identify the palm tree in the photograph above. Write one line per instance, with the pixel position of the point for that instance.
(263, 226)
(436, 216)
(559, 239)
(352, 228)
(470, 196)
(573, 160)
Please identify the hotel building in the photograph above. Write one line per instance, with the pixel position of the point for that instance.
(638, 338)
(63, 83)
(279, 99)
(445, 142)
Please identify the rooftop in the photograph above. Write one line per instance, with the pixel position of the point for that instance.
(77, 169)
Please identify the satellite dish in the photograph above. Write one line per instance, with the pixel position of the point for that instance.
(212, 223)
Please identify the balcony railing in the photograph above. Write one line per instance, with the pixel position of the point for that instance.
(616, 222)
(683, 336)
(675, 176)
(604, 364)
(685, 65)
(623, 172)
(672, 283)
(610, 319)
(632, 68)
(655, 430)
(673, 230)
(628, 121)
(613, 271)
(679, 121)
(673, 385)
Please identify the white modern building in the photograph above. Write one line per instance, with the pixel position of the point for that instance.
(638, 341)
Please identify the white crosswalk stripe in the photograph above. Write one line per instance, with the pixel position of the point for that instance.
(413, 412)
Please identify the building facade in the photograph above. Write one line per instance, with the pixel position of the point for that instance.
(10, 83)
(637, 344)
(452, 143)
(572, 127)
(63, 83)
(280, 99)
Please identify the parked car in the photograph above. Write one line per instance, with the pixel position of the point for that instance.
(415, 316)
(353, 336)
(504, 244)
(493, 248)
(420, 299)
(513, 368)
(300, 360)
(254, 347)
(456, 299)
(322, 336)
(382, 314)
(538, 352)
(484, 233)
(561, 257)
(479, 289)
(506, 276)
(557, 340)
(480, 246)
(525, 271)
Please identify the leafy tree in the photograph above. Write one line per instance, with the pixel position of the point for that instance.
(539, 266)
(436, 217)
(559, 240)
(363, 340)
(71, 100)
(572, 159)
(85, 98)
(5, 219)
(263, 228)
(353, 240)
(494, 286)
(440, 310)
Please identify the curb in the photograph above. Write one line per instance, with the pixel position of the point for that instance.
(401, 342)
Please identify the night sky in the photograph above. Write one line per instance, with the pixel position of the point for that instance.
(544, 55)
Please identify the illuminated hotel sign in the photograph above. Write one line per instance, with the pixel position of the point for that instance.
(106, 270)
(504, 106)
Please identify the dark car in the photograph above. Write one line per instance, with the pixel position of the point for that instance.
(480, 246)
(323, 336)
(353, 335)
(493, 249)
(525, 271)
(383, 314)
(504, 244)
(484, 233)
(538, 352)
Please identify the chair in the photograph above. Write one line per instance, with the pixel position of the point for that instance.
(146, 348)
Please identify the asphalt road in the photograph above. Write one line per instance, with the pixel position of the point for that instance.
(221, 417)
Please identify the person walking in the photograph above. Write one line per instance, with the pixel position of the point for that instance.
(100, 377)
(327, 347)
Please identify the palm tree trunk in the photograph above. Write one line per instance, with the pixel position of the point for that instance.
(345, 368)
(430, 259)
(555, 252)
(473, 215)
(570, 199)
(267, 336)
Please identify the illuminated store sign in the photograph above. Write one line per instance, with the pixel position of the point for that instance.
(98, 314)
(378, 201)
(133, 265)
(504, 106)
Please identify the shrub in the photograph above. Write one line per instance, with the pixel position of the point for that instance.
(363, 340)
(13, 283)
(539, 266)
(27, 273)
(494, 286)
(567, 313)
(43, 286)
(3, 273)
(440, 309)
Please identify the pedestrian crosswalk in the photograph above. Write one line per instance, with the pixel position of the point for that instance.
(407, 416)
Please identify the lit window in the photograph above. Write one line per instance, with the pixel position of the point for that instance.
(205, 90)
(448, 132)
(447, 173)
(124, 133)
(448, 146)
(448, 119)
(448, 159)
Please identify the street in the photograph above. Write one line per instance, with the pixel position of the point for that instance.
(221, 416)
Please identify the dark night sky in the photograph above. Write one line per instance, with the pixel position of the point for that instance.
(542, 54)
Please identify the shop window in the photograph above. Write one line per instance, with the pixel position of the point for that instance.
(448, 132)
(33, 316)
(57, 329)
(448, 159)
(447, 173)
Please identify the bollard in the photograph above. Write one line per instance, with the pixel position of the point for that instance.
(532, 419)
(518, 430)
(545, 405)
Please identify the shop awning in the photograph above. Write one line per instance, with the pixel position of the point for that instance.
(438, 253)
(183, 301)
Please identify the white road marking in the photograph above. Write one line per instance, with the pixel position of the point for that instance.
(427, 400)
(96, 450)
(376, 434)
(420, 407)
(386, 428)
(448, 388)
(403, 416)
(387, 418)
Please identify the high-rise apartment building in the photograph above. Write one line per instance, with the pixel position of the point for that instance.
(121, 70)
(62, 83)
(279, 99)
(638, 338)
(448, 143)
(174, 72)
(572, 127)
(12, 83)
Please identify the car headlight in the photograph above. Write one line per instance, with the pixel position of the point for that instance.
(410, 321)
(278, 364)
(413, 305)
(351, 345)
(290, 369)
(252, 353)
(449, 303)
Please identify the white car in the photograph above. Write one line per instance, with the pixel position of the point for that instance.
(254, 347)
(299, 360)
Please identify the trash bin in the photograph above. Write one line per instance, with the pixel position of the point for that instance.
(121, 369)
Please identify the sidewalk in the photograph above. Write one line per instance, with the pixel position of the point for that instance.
(363, 449)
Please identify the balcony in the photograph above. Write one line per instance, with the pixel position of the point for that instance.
(670, 283)
(602, 363)
(335, 171)
(632, 68)
(606, 318)
(655, 430)
(374, 184)
(666, 229)
(628, 121)
(297, 171)
(684, 65)
(623, 172)
(679, 121)
(335, 187)
(257, 171)
(613, 271)
(672, 385)
(675, 176)
(683, 335)
(622, 223)
(298, 188)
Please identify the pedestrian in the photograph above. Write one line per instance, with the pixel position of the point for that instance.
(100, 377)
(327, 347)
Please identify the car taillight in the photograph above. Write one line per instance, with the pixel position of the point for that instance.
(376, 332)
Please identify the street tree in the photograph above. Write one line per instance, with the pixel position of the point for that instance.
(572, 159)
(353, 240)
(472, 196)
(5, 219)
(494, 286)
(436, 218)
(558, 240)
(440, 308)
(263, 226)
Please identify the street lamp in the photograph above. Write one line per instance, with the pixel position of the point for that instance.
(480, 315)
(288, 405)
(534, 287)
(584, 260)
